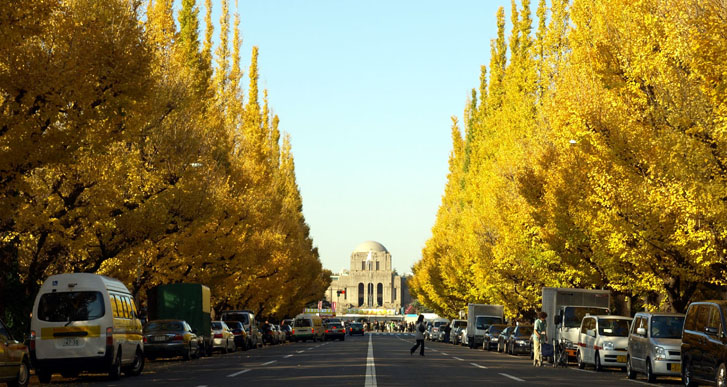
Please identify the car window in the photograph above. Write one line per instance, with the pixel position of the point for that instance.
(70, 306)
(690, 322)
(216, 325)
(302, 323)
(715, 320)
(525, 331)
(4, 334)
(584, 325)
(613, 327)
(702, 317)
(667, 327)
(164, 326)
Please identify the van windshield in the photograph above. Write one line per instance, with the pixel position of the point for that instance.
(439, 323)
(667, 327)
(244, 318)
(613, 327)
(70, 306)
(302, 322)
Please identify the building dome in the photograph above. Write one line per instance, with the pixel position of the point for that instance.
(370, 246)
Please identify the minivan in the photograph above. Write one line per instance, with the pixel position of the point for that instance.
(85, 322)
(247, 318)
(655, 345)
(704, 343)
(307, 327)
(602, 341)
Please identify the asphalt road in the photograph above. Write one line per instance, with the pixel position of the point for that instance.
(371, 360)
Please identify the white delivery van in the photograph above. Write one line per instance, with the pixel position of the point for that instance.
(85, 322)
(307, 327)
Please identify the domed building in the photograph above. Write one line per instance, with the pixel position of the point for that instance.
(371, 285)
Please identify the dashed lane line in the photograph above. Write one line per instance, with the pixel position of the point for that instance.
(445, 354)
(456, 358)
(301, 351)
(512, 377)
(287, 356)
(238, 373)
(479, 366)
(270, 362)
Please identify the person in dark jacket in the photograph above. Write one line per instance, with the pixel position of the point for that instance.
(419, 329)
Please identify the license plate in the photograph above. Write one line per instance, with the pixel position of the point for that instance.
(160, 338)
(621, 359)
(71, 342)
(675, 367)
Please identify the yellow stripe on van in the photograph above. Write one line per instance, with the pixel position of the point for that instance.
(49, 333)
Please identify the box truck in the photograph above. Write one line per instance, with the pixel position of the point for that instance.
(184, 301)
(479, 317)
(566, 307)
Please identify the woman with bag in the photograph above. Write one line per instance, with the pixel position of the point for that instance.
(420, 328)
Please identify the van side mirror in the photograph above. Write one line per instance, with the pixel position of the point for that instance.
(641, 331)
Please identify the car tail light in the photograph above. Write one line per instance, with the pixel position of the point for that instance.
(326, 330)
(312, 331)
(292, 332)
(109, 337)
(218, 335)
(32, 340)
(145, 339)
(178, 338)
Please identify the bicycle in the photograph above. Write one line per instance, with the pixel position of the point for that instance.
(560, 355)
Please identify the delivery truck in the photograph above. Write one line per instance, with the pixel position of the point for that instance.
(566, 307)
(184, 301)
(479, 317)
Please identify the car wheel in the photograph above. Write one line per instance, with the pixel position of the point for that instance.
(138, 365)
(115, 370)
(581, 364)
(630, 373)
(187, 355)
(722, 375)
(687, 377)
(224, 347)
(597, 362)
(23, 377)
(650, 377)
(44, 375)
(233, 348)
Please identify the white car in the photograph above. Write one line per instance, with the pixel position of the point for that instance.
(603, 341)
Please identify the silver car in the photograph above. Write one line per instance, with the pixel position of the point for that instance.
(655, 345)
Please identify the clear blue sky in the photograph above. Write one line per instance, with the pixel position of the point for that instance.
(366, 90)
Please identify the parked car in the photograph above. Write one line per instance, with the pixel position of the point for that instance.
(519, 340)
(334, 331)
(222, 337)
(355, 328)
(492, 333)
(14, 359)
(603, 341)
(287, 331)
(85, 322)
(170, 338)
(436, 332)
(655, 345)
(704, 347)
(247, 318)
(240, 335)
(270, 335)
(455, 329)
(280, 333)
(502, 338)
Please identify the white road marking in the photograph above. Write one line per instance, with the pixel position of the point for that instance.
(479, 366)
(310, 349)
(238, 373)
(287, 356)
(445, 354)
(299, 351)
(512, 377)
(370, 366)
(456, 358)
(269, 363)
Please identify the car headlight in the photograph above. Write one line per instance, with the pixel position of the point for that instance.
(660, 353)
(608, 346)
(520, 342)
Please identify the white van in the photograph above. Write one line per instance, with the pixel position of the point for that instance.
(307, 327)
(85, 322)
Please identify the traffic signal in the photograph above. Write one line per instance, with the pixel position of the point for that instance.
(339, 292)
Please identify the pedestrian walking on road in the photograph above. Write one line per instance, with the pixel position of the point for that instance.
(420, 328)
(539, 337)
